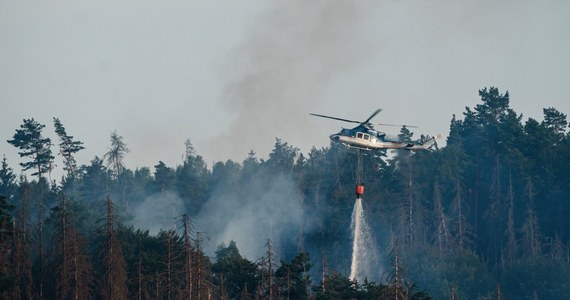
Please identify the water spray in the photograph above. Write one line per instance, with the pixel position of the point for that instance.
(364, 254)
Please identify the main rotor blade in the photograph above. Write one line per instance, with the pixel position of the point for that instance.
(396, 125)
(367, 120)
(372, 116)
(334, 118)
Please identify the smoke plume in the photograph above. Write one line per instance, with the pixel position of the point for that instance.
(285, 69)
(268, 209)
(158, 212)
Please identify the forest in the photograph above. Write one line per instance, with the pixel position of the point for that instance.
(483, 217)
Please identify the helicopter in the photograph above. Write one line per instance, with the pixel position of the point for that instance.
(365, 137)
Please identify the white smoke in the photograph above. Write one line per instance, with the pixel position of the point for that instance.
(269, 209)
(158, 212)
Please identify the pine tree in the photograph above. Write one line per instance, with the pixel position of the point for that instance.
(164, 177)
(233, 273)
(32, 144)
(189, 150)
(556, 122)
(67, 148)
(293, 278)
(7, 179)
(116, 154)
(7, 279)
(192, 180)
(282, 157)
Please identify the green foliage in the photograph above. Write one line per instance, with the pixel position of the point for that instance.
(451, 208)
(7, 278)
(337, 286)
(234, 273)
(7, 179)
(5, 213)
(67, 147)
(192, 182)
(282, 157)
(32, 144)
(536, 277)
(164, 177)
(293, 278)
(94, 181)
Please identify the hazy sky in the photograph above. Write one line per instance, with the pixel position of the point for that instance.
(234, 75)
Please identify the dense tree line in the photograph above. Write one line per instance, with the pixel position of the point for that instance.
(481, 218)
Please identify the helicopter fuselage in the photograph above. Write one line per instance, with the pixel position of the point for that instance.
(364, 138)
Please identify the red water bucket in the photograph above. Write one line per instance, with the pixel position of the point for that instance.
(359, 190)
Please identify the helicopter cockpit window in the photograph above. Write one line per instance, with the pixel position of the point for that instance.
(363, 136)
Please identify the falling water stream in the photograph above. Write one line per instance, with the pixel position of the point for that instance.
(364, 252)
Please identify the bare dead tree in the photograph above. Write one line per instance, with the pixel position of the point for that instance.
(494, 213)
(270, 269)
(411, 224)
(532, 243)
(443, 235)
(261, 285)
(201, 275)
(187, 257)
(462, 229)
(395, 289)
(511, 248)
(22, 263)
(16, 262)
(139, 273)
(324, 273)
(63, 280)
(556, 249)
(42, 250)
(169, 267)
(81, 267)
(115, 278)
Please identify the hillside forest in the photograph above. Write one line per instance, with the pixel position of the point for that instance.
(483, 217)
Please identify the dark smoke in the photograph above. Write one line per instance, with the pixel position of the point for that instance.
(286, 68)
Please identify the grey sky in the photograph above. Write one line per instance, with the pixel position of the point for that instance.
(234, 75)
